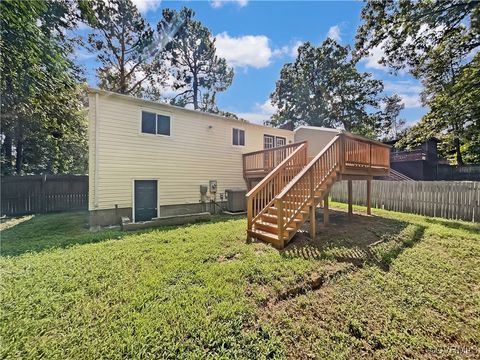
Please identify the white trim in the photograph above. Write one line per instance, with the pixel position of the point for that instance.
(156, 112)
(133, 195)
(244, 137)
(319, 128)
(96, 175)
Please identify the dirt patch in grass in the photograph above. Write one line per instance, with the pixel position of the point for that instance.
(7, 223)
(358, 240)
(231, 257)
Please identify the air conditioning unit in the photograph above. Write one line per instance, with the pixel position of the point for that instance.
(236, 200)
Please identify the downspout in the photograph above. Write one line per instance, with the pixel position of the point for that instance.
(95, 184)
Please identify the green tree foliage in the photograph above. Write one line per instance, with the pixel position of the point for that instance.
(199, 74)
(43, 122)
(324, 88)
(437, 41)
(125, 46)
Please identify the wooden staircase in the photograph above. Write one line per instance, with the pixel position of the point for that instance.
(287, 197)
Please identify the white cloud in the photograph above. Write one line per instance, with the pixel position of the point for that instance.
(408, 90)
(244, 51)
(219, 3)
(402, 86)
(294, 48)
(334, 33)
(372, 60)
(280, 52)
(260, 113)
(411, 101)
(145, 6)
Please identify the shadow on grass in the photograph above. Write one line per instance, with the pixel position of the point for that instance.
(53, 231)
(470, 228)
(361, 240)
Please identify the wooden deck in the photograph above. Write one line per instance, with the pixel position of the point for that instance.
(290, 185)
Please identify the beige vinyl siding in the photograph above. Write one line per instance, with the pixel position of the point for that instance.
(317, 137)
(91, 151)
(199, 149)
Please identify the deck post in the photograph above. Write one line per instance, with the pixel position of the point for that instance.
(369, 196)
(326, 215)
(249, 218)
(350, 200)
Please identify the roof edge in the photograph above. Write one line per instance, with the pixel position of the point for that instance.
(92, 90)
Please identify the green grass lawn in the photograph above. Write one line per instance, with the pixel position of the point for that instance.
(389, 286)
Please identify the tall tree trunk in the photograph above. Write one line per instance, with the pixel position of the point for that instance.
(195, 92)
(7, 152)
(19, 157)
(458, 153)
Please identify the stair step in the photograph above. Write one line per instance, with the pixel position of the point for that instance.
(272, 228)
(266, 236)
(273, 210)
(272, 218)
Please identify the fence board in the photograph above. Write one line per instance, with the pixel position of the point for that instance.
(458, 200)
(21, 195)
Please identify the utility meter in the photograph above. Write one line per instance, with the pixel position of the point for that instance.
(213, 186)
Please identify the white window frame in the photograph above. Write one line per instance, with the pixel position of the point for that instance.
(244, 137)
(133, 194)
(271, 137)
(280, 137)
(156, 112)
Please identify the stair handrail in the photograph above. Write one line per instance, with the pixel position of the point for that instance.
(274, 182)
(306, 182)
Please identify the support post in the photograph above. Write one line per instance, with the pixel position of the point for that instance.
(326, 215)
(249, 218)
(369, 196)
(350, 200)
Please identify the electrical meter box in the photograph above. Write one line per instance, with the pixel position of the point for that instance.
(203, 189)
(212, 184)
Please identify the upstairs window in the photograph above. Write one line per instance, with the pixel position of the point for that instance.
(238, 137)
(155, 123)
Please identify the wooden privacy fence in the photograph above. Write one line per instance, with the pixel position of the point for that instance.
(43, 194)
(459, 200)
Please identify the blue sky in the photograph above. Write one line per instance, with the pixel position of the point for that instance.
(258, 37)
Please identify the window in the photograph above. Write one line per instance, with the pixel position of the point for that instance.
(148, 123)
(163, 125)
(268, 141)
(238, 137)
(280, 141)
(155, 123)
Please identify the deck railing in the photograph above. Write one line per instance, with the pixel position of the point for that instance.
(261, 197)
(365, 153)
(260, 163)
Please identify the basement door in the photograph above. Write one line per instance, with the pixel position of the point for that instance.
(145, 200)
